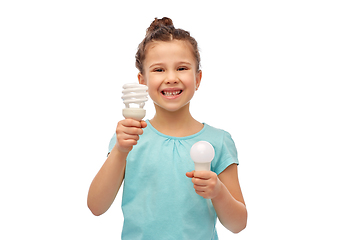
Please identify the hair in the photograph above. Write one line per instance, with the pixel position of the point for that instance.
(164, 30)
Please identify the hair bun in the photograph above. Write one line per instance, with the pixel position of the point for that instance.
(158, 23)
(164, 30)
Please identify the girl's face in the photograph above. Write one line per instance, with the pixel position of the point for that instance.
(170, 74)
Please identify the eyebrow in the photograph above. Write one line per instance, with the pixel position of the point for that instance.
(152, 65)
(178, 63)
(188, 63)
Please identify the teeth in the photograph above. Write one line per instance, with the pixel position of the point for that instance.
(172, 93)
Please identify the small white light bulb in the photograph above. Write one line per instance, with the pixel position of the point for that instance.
(134, 93)
(202, 153)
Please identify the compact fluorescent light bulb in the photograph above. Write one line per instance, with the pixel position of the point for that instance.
(134, 93)
(202, 153)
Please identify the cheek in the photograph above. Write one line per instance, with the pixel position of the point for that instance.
(152, 91)
(154, 80)
(190, 82)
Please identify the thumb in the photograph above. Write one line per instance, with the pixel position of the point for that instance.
(143, 124)
(190, 174)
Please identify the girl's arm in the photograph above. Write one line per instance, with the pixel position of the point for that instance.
(225, 194)
(108, 180)
(229, 204)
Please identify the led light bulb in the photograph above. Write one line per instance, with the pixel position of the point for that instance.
(202, 153)
(134, 93)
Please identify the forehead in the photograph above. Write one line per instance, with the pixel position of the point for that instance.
(168, 51)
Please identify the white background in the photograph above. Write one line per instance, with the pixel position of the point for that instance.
(281, 76)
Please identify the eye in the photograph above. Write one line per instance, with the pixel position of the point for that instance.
(182, 68)
(158, 70)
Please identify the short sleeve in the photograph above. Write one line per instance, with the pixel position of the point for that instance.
(112, 143)
(227, 154)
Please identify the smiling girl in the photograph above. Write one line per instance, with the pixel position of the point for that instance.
(163, 198)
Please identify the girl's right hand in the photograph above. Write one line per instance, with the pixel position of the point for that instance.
(127, 134)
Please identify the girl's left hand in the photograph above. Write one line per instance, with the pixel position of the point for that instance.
(206, 183)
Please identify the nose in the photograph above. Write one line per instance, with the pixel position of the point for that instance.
(172, 78)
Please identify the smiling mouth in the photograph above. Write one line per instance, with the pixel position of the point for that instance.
(171, 93)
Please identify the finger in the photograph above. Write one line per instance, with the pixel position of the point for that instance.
(143, 124)
(128, 130)
(126, 145)
(133, 131)
(190, 174)
(199, 181)
(129, 142)
(202, 174)
(131, 123)
(126, 136)
(200, 188)
(201, 193)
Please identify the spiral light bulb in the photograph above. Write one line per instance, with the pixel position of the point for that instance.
(134, 93)
(202, 153)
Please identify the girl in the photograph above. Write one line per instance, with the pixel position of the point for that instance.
(162, 197)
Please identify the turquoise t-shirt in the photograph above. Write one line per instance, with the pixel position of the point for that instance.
(159, 201)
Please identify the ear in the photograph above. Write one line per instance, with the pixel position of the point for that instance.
(141, 79)
(198, 79)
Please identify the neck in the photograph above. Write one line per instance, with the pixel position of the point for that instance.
(179, 123)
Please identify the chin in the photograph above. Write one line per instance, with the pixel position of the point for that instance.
(172, 108)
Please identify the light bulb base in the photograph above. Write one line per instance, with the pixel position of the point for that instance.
(202, 166)
(134, 113)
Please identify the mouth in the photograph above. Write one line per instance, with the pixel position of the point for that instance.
(171, 93)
